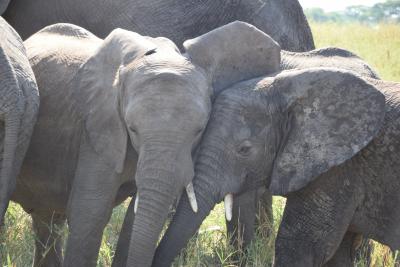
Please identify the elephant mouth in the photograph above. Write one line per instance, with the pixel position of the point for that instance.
(190, 194)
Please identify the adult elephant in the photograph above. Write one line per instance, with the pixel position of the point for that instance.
(110, 105)
(241, 225)
(177, 20)
(19, 104)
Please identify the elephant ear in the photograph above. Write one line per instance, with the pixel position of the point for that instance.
(234, 52)
(99, 83)
(3, 6)
(333, 115)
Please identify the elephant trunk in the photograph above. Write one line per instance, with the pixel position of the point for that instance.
(152, 207)
(159, 181)
(10, 109)
(185, 222)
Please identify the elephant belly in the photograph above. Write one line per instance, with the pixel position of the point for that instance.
(49, 167)
(44, 184)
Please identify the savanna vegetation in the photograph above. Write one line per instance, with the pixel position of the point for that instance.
(383, 12)
(379, 45)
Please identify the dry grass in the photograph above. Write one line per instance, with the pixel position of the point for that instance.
(379, 46)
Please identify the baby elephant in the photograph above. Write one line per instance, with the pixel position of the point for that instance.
(119, 115)
(324, 138)
(245, 207)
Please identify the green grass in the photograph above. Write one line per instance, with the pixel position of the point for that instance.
(380, 46)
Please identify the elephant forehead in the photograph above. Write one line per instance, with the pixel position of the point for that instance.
(177, 82)
(179, 105)
(176, 104)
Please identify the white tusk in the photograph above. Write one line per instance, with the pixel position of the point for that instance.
(136, 203)
(192, 197)
(228, 201)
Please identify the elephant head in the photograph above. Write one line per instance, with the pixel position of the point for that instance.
(280, 132)
(143, 91)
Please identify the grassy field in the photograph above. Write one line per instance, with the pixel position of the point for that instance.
(380, 46)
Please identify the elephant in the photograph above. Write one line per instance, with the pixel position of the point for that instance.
(327, 57)
(120, 117)
(177, 20)
(325, 138)
(19, 105)
(241, 227)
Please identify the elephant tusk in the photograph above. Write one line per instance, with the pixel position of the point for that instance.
(136, 203)
(228, 201)
(192, 197)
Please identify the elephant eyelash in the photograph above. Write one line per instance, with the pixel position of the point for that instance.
(150, 52)
(133, 130)
(244, 149)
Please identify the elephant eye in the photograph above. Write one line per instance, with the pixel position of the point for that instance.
(132, 130)
(245, 148)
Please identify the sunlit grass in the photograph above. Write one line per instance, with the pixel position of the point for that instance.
(380, 46)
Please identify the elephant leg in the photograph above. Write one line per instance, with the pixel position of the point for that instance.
(121, 253)
(314, 223)
(90, 206)
(8, 170)
(48, 243)
(346, 253)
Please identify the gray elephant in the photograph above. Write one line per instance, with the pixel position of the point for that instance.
(326, 139)
(19, 104)
(327, 57)
(241, 227)
(177, 20)
(118, 114)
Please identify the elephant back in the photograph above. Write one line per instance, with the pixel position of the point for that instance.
(327, 57)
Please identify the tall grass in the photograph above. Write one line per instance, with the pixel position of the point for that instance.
(380, 46)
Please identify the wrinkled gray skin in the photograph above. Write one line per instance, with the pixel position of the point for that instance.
(247, 205)
(324, 138)
(327, 57)
(177, 20)
(19, 104)
(112, 109)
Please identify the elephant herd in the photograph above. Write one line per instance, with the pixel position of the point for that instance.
(230, 101)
